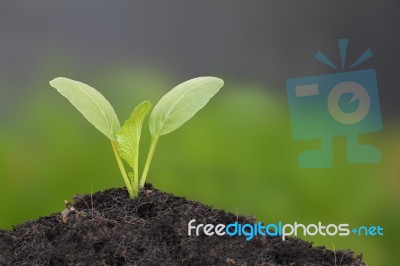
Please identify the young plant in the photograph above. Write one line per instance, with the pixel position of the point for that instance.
(172, 111)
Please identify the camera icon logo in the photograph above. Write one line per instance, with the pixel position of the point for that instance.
(339, 104)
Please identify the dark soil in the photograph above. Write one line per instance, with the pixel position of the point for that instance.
(109, 228)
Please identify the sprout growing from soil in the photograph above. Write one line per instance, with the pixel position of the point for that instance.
(172, 111)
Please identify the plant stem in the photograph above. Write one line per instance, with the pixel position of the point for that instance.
(132, 193)
(135, 181)
(153, 145)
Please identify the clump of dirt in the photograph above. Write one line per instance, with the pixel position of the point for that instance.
(109, 228)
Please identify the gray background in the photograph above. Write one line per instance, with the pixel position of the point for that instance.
(258, 41)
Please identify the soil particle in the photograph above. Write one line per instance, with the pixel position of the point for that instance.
(109, 228)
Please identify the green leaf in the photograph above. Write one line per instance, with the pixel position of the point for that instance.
(182, 103)
(128, 137)
(94, 107)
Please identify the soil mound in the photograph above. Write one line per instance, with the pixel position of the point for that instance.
(109, 228)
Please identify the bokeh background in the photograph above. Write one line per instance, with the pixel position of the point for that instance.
(237, 154)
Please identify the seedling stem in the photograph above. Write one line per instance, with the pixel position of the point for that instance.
(132, 193)
(152, 148)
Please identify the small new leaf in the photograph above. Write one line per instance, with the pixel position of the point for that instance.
(182, 103)
(94, 107)
(128, 137)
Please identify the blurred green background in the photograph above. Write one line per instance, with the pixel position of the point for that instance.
(237, 154)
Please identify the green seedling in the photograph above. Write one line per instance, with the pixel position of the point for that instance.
(172, 111)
